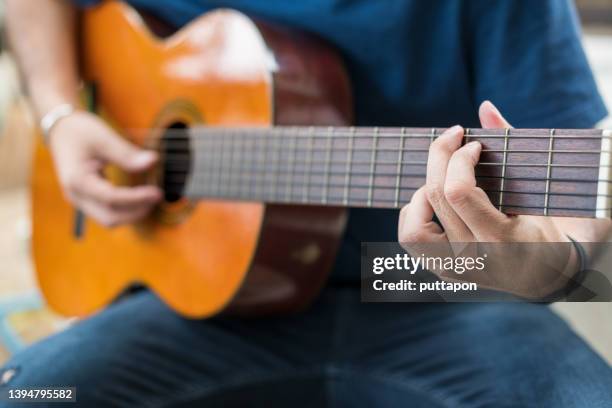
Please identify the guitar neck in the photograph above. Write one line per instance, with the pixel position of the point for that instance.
(524, 171)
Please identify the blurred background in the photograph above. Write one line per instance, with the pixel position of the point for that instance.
(23, 315)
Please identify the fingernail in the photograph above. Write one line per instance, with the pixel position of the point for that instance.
(454, 130)
(488, 102)
(144, 158)
(473, 146)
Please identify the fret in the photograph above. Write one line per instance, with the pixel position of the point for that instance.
(242, 168)
(467, 134)
(604, 199)
(291, 164)
(503, 170)
(275, 148)
(330, 132)
(225, 153)
(432, 135)
(349, 159)
(199, 179)
(372, 166)
(400, 157)
(260, 185)
(551, 142)
(228, 171)
(219, 166)
(251, 165)
(308, 164)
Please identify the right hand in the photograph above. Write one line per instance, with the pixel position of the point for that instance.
(82, 144)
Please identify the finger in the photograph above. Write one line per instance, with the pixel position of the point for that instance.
(416, 221)
(124, 154)
(93, 186)
(440, 153)
(418, 234)
(491, 118)
(108, 217)
(468, 201)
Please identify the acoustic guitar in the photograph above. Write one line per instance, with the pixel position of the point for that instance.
(259, 164)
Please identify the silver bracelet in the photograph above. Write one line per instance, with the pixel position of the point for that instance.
(50, 119)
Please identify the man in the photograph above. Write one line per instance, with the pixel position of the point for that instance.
(411, 63)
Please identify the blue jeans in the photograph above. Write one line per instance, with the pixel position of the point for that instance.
(339, 353)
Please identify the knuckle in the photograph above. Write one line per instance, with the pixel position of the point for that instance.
(434, 192)
(108, 201)
(456, 192)
(441, 146)
(72, 183)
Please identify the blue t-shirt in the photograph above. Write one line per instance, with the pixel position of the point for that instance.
(431, 63)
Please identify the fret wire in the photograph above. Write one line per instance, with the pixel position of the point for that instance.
(249, 146)
(232, 153)
(347, 178)
(372, 165)
(503, 175)
(309, 164)
(275, 149)
(243, 153)
(399, 171)
(327, 164)
(549, 169)
(292, 152)
(217, 167)
(242, 183)
(467, 132)
(227, 163)
(227, 158)
(432, 136)
(222, 163)
(261, 187)
(222, 179)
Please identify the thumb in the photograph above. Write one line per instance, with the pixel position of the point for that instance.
(490, 118)
(126, 155)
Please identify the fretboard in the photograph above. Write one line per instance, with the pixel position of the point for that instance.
(524, 171)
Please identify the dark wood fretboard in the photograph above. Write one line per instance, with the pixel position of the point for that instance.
(524, 171)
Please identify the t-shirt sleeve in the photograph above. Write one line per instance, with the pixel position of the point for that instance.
(527, 58)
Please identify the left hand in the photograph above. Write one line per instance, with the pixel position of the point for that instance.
(467, 215)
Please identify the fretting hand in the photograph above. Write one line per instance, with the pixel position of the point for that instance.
(467, 215)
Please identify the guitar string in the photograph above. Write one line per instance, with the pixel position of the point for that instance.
(418, 175)
(393, 188)
(212, 132)
(337, 149)
(410, 163)
(361, 202)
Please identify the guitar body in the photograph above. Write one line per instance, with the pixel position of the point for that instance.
(200, 257)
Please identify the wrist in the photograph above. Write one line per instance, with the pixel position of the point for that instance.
(574, 274)
(53, 116)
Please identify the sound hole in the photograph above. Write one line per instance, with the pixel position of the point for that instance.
(176, 156)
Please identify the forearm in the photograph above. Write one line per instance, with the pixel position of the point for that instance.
(42, 37)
